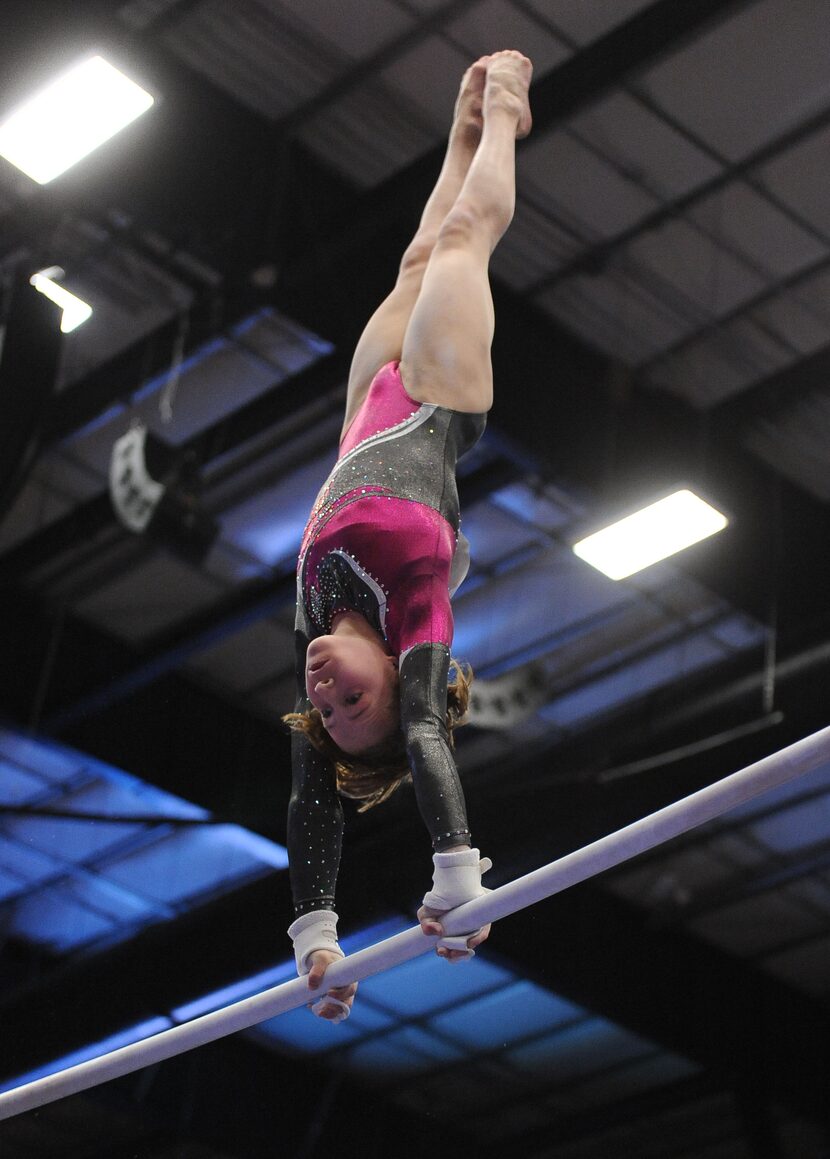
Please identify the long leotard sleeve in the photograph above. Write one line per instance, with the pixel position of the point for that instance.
(438, 791)
(315, 815)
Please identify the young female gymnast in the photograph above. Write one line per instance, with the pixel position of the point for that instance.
(378, 559)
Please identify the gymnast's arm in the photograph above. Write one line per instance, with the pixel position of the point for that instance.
(423, 680)
(315, 835)
(315, 815)
(457, 868)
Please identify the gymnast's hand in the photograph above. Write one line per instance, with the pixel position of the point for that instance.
(456, 879)
(343, 996)
(430, 920)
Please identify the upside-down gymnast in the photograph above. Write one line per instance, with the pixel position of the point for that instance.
(381, 552)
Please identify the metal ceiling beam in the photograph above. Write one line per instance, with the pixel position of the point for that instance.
(602, 253)
(278, 406)
(772, 397)
(627, 1114)
(29, 356)
(628, 48)
(248, 604)
(583, 78)
(691, 998)
(204, 747)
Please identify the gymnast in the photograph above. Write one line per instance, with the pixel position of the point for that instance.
(382, 553)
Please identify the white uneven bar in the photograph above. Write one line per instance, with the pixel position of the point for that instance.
(607, 852)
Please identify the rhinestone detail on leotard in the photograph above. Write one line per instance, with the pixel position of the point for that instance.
(343, 584)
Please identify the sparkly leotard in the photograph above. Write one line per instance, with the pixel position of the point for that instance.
(383, 539)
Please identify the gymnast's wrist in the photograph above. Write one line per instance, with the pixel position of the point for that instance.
(315, 930)
(456, 878)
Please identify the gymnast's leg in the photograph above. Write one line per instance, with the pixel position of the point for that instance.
(382, 339)
(446, 349)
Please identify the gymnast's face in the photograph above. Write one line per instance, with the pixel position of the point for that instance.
(353, 681)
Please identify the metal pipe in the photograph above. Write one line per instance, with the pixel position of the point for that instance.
(606, 853)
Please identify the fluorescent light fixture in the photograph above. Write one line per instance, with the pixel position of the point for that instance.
(74, 310)
(652, 534)
(69, 118)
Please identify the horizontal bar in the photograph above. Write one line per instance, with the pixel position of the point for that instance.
(667, 823)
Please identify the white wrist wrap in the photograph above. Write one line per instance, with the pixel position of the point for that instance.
(316, 930)
(456, 878)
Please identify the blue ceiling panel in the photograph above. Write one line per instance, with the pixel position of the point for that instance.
(119, 792)
(113, 901)
(300, 1030)
(187, 863)
(270, 525)
(494, 534)
(621, 1082)
(377, 932)
(281, 341)
(69, 880)
(634, 680)
(76, 840)
(18, 787)
(53, 918)
(369, 1018)
(739, 632)
(789, 830)
(806, 786)
(235, 992)
(541, 598)
(407, 1050)
(10, 884)
(30, 866)
(501, 1018)
(539, 507)
(46, 760)
(579, 1050)
(427, 984)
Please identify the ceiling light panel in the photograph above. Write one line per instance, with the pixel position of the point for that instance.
(73, 115)
(654, 533)
(75, 311)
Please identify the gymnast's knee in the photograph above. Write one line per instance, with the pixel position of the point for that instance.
(417, 254)
(468, 226)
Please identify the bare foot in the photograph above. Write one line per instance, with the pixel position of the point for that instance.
(467, 118)
(508, 81)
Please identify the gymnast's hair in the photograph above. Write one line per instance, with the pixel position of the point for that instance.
(373, 776)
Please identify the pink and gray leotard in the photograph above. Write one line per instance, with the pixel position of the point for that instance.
(383, 540)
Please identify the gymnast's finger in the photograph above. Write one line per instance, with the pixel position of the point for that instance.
(345, 993)
(478, 937)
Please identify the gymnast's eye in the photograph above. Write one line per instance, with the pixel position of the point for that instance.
(353, 699)
(326, 713)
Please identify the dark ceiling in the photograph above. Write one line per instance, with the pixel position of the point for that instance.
(662, 317)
